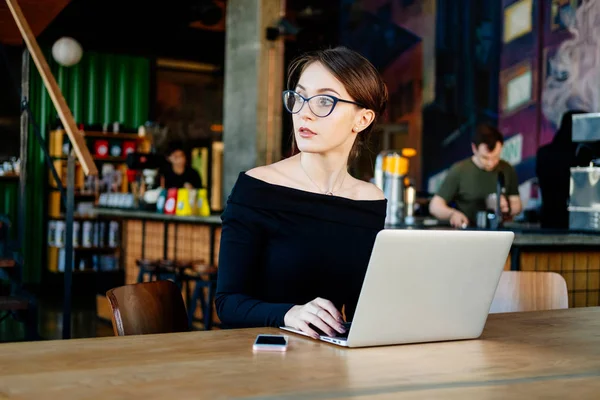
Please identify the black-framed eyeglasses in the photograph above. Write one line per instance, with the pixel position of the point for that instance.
(321, 104)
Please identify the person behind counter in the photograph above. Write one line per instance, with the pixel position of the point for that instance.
(177, 173)
(297, 235)
(470, 182)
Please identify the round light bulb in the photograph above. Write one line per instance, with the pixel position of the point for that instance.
(67, 51)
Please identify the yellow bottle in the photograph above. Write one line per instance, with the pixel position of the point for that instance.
(183, 203)
(203, 206)
(192, 196)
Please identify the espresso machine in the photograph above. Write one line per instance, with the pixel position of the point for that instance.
(391, 176)
(584, 192)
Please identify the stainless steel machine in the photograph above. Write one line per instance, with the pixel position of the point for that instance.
(584, 194)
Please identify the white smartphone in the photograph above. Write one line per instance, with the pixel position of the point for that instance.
(270, 343)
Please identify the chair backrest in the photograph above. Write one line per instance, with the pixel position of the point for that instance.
(530, 291)
(146, 308)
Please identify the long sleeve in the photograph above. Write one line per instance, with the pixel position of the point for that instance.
(282, 247)
(240, 257)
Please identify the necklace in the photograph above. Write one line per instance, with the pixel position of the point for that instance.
(330, 192)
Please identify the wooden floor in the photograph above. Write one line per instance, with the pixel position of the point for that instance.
(84, 323)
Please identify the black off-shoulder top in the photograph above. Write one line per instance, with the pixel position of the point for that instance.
(282, 247)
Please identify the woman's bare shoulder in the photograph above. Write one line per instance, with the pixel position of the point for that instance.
(366, 191)
(276, 173)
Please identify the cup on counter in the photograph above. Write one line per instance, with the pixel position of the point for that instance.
(203, 207)
(171, 203)
(483, 219)
(87, 235)
(490, 202)
(60, 234)
(183, 202)
(113, 234)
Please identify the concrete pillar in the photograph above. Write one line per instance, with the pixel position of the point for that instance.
(253, 85)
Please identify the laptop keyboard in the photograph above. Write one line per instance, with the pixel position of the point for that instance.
(337, 334)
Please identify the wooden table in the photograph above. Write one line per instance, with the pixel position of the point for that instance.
(554, 354)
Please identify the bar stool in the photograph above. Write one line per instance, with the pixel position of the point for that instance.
(176, 271)
(156, 270)
(147, 267)
(204, 276)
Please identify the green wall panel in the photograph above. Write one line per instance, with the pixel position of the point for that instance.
(75, 86)
(102, 88)
(92, 89)
(124, 90)
(9, 202)
(108, 83)
(140, 73)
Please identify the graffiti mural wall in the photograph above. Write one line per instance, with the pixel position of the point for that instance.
(572, 76)
(550, 64)
(519, 64)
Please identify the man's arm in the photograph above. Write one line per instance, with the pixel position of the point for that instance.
(514, 199)
(515, 205)
(438, 206)
(440, 209)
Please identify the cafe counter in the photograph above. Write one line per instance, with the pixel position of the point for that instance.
(147, 235)
(154, 236)
(574, 255)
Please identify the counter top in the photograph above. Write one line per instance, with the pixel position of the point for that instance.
(10, 178)
(556, 239)
(150, 215)
(525, 234)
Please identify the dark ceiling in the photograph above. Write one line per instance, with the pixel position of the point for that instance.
(144, 28)
(39, 13)
(172, 29)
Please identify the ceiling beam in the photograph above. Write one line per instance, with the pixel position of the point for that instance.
(64, 113)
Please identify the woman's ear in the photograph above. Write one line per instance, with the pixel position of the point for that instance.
(363, 120)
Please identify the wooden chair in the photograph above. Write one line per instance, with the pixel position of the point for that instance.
(147, 308)
(16, 302)
(530, 291)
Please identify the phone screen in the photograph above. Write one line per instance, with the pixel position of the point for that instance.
(272, 340)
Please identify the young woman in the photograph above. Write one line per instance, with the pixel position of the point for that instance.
(297, 235)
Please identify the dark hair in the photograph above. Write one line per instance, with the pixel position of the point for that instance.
(360, 78)
(174, 146)
(488, 135)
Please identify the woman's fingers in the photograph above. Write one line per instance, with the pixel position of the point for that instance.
(319, 323)
(330, 320)
(329, 307)
(320, 313)
(304, 327)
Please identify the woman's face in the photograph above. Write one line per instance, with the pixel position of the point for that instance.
(334, 132)
(178, 159)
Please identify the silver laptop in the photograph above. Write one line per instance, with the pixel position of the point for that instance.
(426, 286)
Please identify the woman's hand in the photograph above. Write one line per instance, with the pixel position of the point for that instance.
(321, 313)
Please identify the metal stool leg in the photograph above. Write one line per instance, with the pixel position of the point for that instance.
(197, 296)
(208, 308)
(31, 323)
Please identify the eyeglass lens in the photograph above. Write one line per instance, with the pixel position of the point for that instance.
(320, 105)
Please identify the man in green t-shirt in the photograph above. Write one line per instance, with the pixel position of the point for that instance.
(469, 182)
